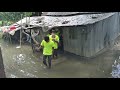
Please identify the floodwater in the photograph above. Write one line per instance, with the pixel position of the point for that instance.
(22, 63)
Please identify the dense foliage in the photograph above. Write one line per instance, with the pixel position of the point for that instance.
(7, 18)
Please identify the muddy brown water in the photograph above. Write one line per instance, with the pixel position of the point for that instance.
(22, 63)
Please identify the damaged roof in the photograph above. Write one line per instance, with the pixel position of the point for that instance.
(26, 20)
(49, 22)
(21, 24)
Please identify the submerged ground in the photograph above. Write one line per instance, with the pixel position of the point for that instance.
(22, 63)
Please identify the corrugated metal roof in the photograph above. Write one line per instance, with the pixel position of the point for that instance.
(65, 13)
(61, 13)
(50, 22)
(27, 20)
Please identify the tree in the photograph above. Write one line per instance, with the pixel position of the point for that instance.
(13, 16)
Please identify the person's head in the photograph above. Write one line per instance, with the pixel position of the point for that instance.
(53, 32)
(46, 38)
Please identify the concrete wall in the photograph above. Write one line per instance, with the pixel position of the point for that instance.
(2, 72)
(92, 39)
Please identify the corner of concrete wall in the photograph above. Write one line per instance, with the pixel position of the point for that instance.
(2, 70)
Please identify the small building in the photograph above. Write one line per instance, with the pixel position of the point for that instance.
(84, 34)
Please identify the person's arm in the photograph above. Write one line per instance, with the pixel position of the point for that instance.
(57, 40)
(34, 39)
(25, 32)
(35, 34)
(41, 45)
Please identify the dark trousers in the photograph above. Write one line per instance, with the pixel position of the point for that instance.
(49, 57)
(55, 53)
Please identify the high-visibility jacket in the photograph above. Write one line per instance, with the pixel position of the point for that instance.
(57, 39)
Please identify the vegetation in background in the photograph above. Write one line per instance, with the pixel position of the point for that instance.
(8, 18)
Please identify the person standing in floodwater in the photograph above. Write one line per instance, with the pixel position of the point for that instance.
(55, 39)
(48, 47)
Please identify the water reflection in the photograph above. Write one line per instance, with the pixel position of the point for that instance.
(19, 59)
(22, 63)
(30, 75)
